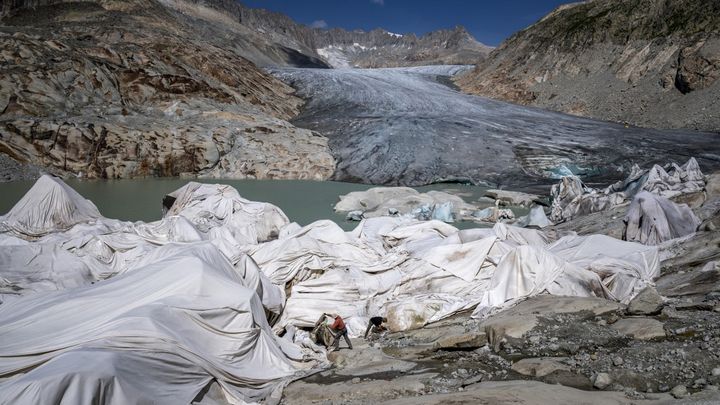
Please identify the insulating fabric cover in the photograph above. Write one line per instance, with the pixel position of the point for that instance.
(100, 310)
(49, 206)
(652, 219)
(158, 334)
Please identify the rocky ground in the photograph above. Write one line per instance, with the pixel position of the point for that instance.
(661, 347)
(594, 349)
(12, 170)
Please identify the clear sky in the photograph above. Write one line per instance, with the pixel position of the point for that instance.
(489, 21)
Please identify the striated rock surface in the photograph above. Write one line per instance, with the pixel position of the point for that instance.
(119, 89)
(650, 62)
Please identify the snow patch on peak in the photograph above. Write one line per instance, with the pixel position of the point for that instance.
(335, 57)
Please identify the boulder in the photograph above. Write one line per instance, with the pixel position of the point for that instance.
(683, 259)
(381, 201)
(698, 68)
(608, 222)
(505, 197)
(679, 391)
(500, 328)
(640, 328)
(647, 302)
(712, 185)
(461, 341)
(364, 360)
(539, 367)
(709, 214)
(693, 200)
(602, 381)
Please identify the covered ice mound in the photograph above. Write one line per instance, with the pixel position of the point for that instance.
(381, 201)
(49, 206)
(529, 270)
(31, 268)
(652, 219)
(572, 198)
(310, 251)
(417, 272)
(214, 206)
(625, 268)
(536, 217)
(87, 252)
(159, 334)
(673, 179)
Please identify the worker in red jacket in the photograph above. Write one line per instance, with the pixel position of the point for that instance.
(338, 328)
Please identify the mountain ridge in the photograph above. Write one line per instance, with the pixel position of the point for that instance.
(365, 49)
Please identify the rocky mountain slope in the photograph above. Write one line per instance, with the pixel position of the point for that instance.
(376, 48)
(652, 63)
(114, 89)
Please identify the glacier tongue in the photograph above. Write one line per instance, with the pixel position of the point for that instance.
(403, 126)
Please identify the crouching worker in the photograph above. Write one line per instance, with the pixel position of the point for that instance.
(322, 334)
(339, 330)
(375, 325)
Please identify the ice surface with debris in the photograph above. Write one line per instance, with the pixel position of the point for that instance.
(406, 126)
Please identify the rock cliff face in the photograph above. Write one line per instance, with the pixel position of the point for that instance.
(647, 62)
(116, 89)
